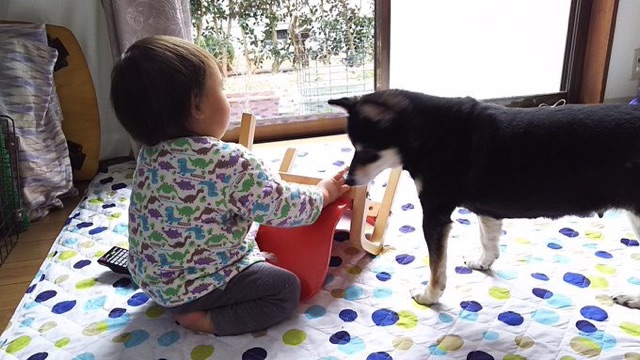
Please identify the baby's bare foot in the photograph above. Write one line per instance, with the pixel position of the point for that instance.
(196, 321)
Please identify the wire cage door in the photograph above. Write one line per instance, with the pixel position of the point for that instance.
(12, 216)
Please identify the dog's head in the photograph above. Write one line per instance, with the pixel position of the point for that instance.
(375, 132)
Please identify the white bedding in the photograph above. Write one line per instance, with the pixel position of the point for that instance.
(546, 298)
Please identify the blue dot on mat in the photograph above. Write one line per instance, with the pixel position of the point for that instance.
(82, 263)
(85, 356)
(353, 293)
(122, 282)
(38, 356)
(116, 312)
(138, 299)
(407, 206)
(629, 242)
(384, 317)
(31, 288)
(586, 326)
(634, 280)
(314, 312)
(594, 313)
(554, 246)
(507, 274)
(540, 276)
(463, 270)
(491, 335)
(463, 221)
(603, 254)
(405, 259)
(95, 303)
(568, 232)
(45, 295)
(338, 163)
(118, 186)
(472, 306)
(464, 211)
(348, 315)
(559, 301)
(479, 355)
(255, 353)
(468, 315)
(383, 276)
(328, 279)
(578, 280)
(405, 229)
(542, 293)
(341, 236)
(511, 318)
(381, 355)
(108, 206)
(97, 230)
(355, 345)
(135, 338)
(84, 224)
(445, 318)
(340, 338)
(63, 307)
(168, 338)
(382, 293)
(335, 261)
(546, 317)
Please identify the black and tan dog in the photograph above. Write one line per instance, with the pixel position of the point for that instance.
(498, 162)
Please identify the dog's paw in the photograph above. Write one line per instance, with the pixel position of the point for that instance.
(479, 264)
(627, 300)
(426, 295)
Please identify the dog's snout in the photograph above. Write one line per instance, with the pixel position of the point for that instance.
(350, 180)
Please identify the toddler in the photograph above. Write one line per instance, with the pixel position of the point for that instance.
(196, 200)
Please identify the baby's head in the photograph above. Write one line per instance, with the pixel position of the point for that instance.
(165, 87)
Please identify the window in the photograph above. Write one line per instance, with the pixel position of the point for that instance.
(284, 59)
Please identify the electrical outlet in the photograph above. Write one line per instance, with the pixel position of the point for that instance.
(635, 72)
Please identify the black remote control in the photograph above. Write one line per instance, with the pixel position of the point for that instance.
(116, 259)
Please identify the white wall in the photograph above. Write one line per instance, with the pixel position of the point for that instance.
(620, 87)
(85, 18)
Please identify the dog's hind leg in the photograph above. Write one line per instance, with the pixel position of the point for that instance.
(436, 236)
(490, 230)
(632, 301)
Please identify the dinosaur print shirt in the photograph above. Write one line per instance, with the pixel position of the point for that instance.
(195, 206)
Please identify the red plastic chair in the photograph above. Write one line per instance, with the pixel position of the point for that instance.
(305, 250)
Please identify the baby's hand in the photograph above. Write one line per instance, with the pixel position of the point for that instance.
(333, 187)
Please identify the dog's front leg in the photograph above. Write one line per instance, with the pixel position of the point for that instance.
(490, 230)
(436, 234)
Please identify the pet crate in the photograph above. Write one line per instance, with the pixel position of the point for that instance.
(13, 218)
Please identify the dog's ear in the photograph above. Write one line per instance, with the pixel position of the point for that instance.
(347, 103)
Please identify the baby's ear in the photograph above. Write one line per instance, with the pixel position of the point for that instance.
(196, 108)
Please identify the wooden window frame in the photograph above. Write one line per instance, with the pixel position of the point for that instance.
(589, 42)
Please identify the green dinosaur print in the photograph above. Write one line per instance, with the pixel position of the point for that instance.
(177, 256)
(181, 143)
(285, 209)
(248, 184)
(170, 292)
(156, 236)
(187, 210)
(200, 163)
(237, 234)
(223, 199)
(215, 239)
(167, 189)
(140, 198)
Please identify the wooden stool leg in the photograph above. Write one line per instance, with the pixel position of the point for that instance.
(361, 204)
(247, 130)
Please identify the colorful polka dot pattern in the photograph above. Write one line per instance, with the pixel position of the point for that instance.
(547, 294)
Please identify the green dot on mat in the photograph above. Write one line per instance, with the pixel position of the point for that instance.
(154, 312)
(85, 284)
(95, 328)
(585, 347)
(407, 319)
(202, 352)
(630, 328)
(66, 255)
(18, 344)
(62, 342)
(499, 293)
(294, 337)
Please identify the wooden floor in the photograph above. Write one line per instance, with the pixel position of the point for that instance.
(22, 264)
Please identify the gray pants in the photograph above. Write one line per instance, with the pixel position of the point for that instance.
(259, 297)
